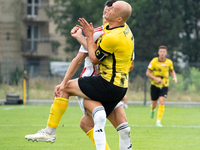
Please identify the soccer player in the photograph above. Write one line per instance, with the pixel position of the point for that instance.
(102, 92)
(158, 70)
(119, 122)
(87, 124)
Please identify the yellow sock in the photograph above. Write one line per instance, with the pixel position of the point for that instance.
(160, 112)
(90, 135)
(152, 108)
(58, 108)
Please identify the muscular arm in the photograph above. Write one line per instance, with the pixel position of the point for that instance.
(75, 64)
(173, 74)
(76, 32)
(91, 45)
(132, 66)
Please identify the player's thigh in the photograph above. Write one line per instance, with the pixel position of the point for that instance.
(90, 105)
(162, 100)
(117, 116)
(72, 88)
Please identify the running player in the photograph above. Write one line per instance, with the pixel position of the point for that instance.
(158, 70)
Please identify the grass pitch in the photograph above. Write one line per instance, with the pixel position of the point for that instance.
(181, 129)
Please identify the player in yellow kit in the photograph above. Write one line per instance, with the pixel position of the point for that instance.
(158, 70)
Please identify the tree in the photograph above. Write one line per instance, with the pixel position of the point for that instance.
(65, 13)
(191, 31)
(155, 23)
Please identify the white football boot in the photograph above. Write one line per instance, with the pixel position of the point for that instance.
(41, 135)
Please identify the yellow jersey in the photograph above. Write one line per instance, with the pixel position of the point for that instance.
(160, 70)
(118, 45)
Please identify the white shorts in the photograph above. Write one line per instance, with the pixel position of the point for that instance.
(81, 104)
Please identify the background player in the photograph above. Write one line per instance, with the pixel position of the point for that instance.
(158, 70)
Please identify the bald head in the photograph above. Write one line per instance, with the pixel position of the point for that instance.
(123, 9)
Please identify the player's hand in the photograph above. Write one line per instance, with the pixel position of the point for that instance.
(57, 91)
(76, 32)
(159, 80)
(87, 28)
(175, 80)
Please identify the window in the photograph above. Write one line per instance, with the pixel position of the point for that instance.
(32, 8)
(32, 66)
(32, 37)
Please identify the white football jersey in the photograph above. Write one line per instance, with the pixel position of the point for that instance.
(89, 68)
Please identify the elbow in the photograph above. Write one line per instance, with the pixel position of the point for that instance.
(147, 73)
(94, 61)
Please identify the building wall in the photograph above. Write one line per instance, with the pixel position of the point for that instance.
(14, 20)
(10, 23)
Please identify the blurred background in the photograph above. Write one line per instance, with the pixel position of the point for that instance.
(36, 45)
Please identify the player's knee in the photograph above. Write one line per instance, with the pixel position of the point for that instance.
(82, 124)
(124, 130)
(99, 115)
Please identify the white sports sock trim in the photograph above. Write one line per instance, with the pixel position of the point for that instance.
(99, 117)
(124, 136)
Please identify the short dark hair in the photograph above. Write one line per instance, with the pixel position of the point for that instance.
(162, 47)
(109, 3)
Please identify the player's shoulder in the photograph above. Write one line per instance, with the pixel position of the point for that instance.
(100, 28)
(168, 60)
(155, 59)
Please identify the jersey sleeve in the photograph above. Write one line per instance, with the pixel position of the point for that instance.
(96, 35)
(171, 67)
(151, 65)
(82, 49)
(108, 44)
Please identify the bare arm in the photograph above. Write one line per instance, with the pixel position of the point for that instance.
(76, 32)
(173, 74)
(91, 45)
(73, 67)
(150, 75)
(132, 66)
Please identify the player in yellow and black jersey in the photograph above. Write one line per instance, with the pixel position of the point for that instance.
(158, 70)
(116, 44)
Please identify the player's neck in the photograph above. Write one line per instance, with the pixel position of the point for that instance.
(162, 59)
(115, 24)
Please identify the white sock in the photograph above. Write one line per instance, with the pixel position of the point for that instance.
(158, 121)
(99, 117)
(124, 136)
(50, 130)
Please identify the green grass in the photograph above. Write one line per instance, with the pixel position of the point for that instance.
(181, 129)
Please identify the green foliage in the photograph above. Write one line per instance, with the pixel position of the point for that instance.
(195, 76)
(155, 23)
(189, 82)
(55, 45)
(16, 75)
(66, 13)
(191, 19)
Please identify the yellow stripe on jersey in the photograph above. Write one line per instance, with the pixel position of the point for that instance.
(160, 70)
(118, 43)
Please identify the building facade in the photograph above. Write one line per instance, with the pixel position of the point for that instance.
(27, 38)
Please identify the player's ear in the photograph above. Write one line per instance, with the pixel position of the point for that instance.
(119, 19)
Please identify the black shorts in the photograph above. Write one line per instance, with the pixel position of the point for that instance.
(98, 89)
(157, 92)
